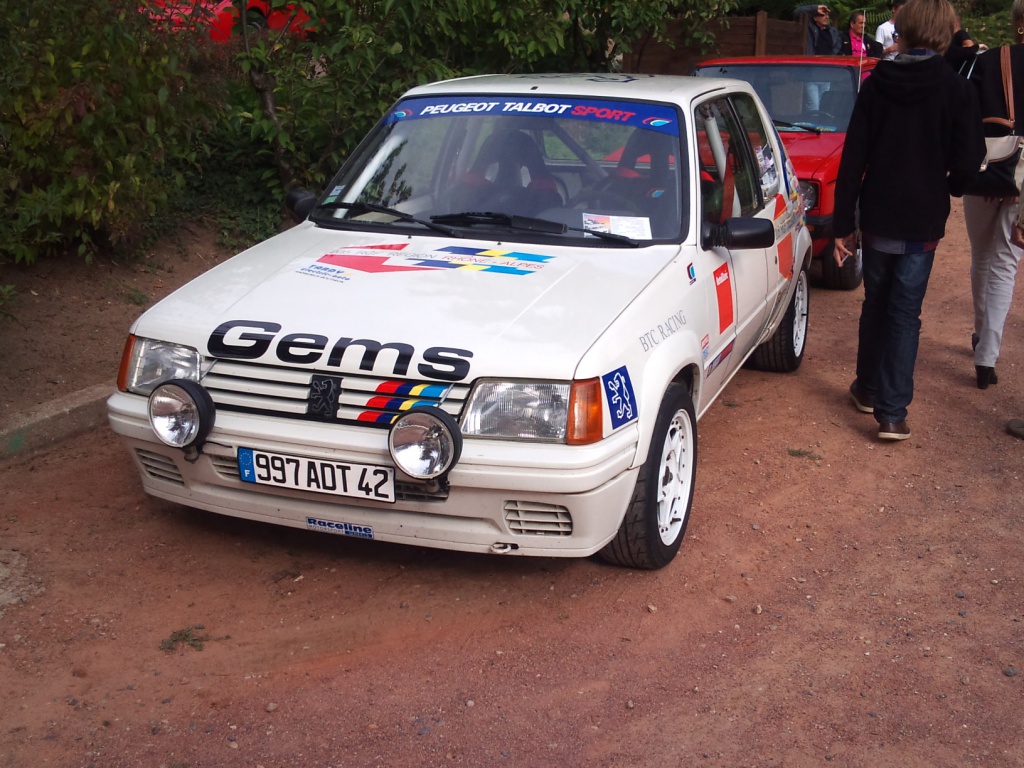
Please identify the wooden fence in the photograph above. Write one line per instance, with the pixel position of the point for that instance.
(734, 36)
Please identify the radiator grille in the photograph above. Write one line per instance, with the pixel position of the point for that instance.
(342, 398)
(531, 518)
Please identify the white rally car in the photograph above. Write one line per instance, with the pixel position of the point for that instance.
(496, 328)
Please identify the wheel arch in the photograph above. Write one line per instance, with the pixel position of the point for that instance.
(672, 362)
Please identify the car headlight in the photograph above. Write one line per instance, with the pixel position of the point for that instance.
(425, 443)
(181, 413)
(147, 363)
(810, 192)
(518, 410)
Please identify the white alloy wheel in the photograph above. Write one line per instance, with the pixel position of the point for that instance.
(801, 309)
(676, 478)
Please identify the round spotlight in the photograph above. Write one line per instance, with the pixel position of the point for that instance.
(181, 413)
(425, 443)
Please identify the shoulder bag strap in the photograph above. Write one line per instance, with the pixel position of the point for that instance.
(1007, 77)
(1007, 72)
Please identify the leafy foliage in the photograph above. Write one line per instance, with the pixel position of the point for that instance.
(992, 29)
(97, 117)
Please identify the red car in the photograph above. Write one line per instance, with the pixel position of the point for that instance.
(220, 16)
(810, 99)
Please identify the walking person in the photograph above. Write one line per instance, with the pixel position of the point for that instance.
(914, 139)
(994, 256)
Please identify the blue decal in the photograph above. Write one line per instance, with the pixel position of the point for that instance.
(618, 390)
(691, 272)
(339, 529)
(245, 468)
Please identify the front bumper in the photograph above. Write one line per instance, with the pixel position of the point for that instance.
(504, 497)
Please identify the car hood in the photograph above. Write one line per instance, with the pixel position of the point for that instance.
(506, 307)
(810, 152)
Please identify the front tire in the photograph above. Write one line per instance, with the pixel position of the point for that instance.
(784, 350)
(659, 510)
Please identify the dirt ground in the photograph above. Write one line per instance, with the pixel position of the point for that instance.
(838, 601)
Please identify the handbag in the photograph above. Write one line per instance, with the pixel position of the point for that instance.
(997, 177)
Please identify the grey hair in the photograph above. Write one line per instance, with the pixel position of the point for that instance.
(1017, 13)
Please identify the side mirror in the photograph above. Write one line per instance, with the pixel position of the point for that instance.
(299, 203)
(738, 233)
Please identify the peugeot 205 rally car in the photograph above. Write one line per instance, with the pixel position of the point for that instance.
(495, 329)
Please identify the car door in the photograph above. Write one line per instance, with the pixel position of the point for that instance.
(730, 186)
(779, 205)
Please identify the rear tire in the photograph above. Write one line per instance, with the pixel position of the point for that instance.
(846, 277)
(659, 510)
(784, 350)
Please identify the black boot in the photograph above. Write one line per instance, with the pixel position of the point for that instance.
(986, 376)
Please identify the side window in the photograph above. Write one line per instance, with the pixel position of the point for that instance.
(729, 182)
(764, 155)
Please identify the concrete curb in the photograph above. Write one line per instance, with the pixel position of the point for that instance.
(57, 420)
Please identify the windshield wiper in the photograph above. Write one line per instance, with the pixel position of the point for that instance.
(401, 215)
(808, 128)
(525, 223)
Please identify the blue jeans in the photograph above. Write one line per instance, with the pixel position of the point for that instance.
(890, 326)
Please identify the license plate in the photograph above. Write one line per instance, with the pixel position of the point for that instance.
(339, 478)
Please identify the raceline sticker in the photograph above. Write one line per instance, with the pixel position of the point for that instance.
(691, 272)
(379, 259)
(339, 529)
(654, 117)
(618, 390)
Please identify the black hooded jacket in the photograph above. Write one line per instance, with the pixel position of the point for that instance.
(914, 139)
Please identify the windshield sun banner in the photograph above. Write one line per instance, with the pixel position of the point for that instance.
(654, 117)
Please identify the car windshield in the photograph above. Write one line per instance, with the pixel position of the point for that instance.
(799, 97)
(607, 171)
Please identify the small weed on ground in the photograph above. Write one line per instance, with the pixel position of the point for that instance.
(6, 298)
(135, 296)
(803, 453)
(188, 636)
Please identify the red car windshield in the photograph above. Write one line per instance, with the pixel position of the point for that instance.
(798, 96)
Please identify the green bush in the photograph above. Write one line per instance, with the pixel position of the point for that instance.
(99, 114)
(104, 118)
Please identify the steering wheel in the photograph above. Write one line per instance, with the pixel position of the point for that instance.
(815, 114)
(600, 195)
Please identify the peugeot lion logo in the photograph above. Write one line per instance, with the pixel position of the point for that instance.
(323, 397)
